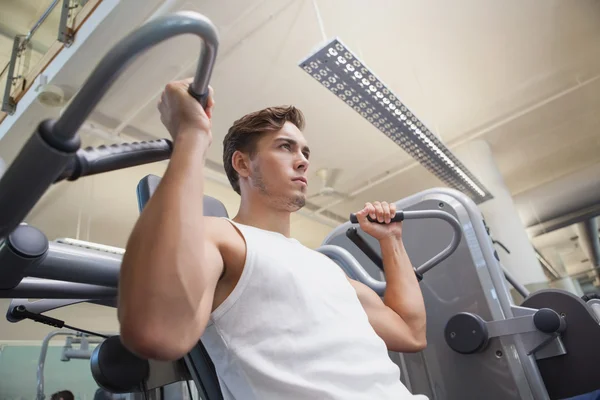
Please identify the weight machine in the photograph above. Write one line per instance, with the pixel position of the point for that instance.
(480, 344)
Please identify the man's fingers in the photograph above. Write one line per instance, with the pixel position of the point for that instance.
(371, 210)
(386, 212)
(379, 211)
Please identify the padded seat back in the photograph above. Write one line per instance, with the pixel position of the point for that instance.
(576, 372)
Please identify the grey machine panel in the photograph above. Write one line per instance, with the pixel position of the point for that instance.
(465, 282)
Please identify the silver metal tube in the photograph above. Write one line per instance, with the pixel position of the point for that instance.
(454, 242)
(41, 20)
(34, 288)
(42, 360)
(78, 354)
(522, 290)
(126, 50)
(352, 267)
(77, 264)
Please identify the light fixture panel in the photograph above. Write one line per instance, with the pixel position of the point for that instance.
(340, 71)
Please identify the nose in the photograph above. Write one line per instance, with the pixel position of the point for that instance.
(302, 163)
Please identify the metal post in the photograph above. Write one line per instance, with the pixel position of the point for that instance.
(65, 34)
(8, 103)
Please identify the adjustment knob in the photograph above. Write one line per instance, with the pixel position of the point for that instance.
(548, 321)
(466, 333)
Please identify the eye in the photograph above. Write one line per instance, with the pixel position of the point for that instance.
(286, 146)
(306, 155)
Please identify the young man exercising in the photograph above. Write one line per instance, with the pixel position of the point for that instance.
(279, 320)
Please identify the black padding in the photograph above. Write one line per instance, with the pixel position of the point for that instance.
(576, 372)
(466, 333)
(147, 185)
(116, 369)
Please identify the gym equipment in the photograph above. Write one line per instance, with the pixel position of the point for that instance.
(68, 353)
(62, 274)
(52, 152)
(481, 345)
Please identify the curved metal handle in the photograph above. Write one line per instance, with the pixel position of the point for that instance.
(356, 271)
(148, 35)
(351, 267)
(456, 236)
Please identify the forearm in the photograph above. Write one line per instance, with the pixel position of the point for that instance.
(402, 294)
(160, 280)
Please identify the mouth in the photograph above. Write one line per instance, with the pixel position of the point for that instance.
(301, 179)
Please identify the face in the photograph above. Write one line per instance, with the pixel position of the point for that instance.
(278, 170)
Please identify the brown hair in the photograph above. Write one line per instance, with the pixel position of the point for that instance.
(63, 395)
(245, 132)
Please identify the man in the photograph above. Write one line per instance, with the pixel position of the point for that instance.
(63, 395)
(279, 320)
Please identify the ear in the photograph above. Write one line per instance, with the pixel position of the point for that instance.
(241, 163)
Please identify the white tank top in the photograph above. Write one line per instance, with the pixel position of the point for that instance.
(293, 328)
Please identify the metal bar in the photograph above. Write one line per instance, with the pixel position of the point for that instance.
(456, 237)
(33, 288)
(64, 262)
(8, 105)
(522, 290)
(126, 50)
(41, 20)
(352, 267)
(511, 326)
(39, 306)
(63, 30)
(43, 305)
(77, 354)
(42, 361)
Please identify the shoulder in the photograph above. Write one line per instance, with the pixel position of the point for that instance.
(229, 242)
(223, 233)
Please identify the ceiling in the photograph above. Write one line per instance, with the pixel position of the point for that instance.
(524, 76)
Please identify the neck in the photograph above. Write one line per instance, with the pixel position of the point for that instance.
(263, 216)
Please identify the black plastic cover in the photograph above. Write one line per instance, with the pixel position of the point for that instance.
(466, 333)
(116, 369)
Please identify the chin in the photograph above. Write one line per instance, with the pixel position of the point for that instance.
(295, 203)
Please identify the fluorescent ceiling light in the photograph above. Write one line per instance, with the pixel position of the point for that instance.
(340, 71)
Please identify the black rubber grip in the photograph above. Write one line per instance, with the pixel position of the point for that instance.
(96, 160)
(202, 98)
(399, 217)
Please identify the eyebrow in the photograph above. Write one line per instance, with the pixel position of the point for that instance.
(293, 143)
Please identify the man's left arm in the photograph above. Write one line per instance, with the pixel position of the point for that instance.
(399, 319)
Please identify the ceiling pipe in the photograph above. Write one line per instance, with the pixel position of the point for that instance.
(589, 240)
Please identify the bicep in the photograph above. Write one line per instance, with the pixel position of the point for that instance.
(388, 325)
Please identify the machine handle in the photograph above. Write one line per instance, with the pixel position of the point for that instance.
(404, 215)
(95, 160)
(51, 148)
(140, 40)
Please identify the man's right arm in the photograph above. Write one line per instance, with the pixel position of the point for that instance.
(171, 264)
